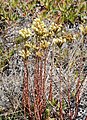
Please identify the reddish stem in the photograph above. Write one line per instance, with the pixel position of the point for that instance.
(26, 98)
(70, 113)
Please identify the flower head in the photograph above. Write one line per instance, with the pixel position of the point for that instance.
(25, 54)
(59, 41)
(39, 54)
(39, 27)
(86, 28)
(28, 45)
(54, 27)
(44, 44)
(68, 37)
(25, 33)
(82, 29)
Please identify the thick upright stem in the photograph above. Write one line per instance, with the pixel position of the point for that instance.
(77, 98)
(37, 90)
(61, 109)
(70, 114)
(26, 98)
(50, 91)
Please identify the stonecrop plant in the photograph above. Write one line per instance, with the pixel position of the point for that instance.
(39, 48)
(52, 49)
(55, 54)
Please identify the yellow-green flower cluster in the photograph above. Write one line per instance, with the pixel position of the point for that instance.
(68, 37)
(48, 34)
(59, 41)
(28, 45)
(25, 33)
(54, 27)
(39, 27)
(35, 47)
(44, 44)
(83, 29)
(39, 54)
(40, 51)
(25, 54)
